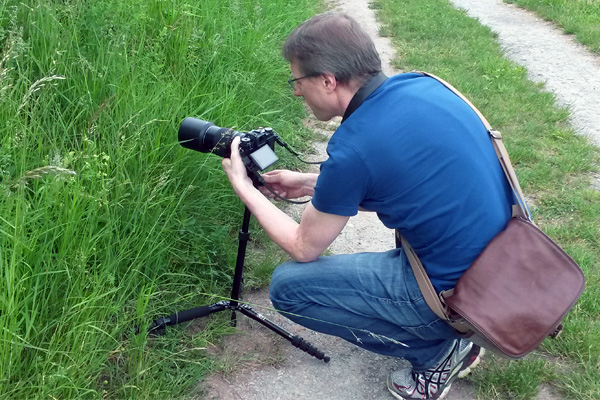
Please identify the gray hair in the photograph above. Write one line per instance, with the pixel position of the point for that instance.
(332, 42)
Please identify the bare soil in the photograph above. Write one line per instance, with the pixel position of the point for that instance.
(265, 366)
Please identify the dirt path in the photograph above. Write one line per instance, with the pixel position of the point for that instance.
(568, 70)
(265, 366)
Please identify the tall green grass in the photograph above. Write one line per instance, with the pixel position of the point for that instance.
(105, 221)
(580, 18)
(553, 164)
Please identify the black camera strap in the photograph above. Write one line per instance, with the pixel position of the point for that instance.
(365, 90)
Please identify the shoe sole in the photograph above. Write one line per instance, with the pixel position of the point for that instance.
(467, 370)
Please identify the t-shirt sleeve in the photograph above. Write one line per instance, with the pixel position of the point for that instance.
(343, 182)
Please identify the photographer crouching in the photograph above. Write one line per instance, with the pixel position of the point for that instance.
(414, 153)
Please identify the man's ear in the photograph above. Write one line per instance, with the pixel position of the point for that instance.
(329, 81)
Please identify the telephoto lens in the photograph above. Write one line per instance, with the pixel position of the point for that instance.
(206, 137)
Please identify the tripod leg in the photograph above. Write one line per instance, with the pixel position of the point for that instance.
(186, 315)
(296, 340)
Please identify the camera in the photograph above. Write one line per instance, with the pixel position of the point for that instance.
(256, 146)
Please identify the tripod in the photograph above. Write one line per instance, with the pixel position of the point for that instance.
(233, 305)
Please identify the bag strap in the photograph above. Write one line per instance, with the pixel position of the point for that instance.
(519, 209)
(427, 289)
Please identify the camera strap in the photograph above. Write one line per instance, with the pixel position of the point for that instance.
(365, 91)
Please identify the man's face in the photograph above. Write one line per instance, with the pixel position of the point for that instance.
(315, 92)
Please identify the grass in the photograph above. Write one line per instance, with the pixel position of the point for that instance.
(554, 166)
(580, 18)
(105, 221)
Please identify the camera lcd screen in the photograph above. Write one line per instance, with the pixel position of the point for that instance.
(264, 157)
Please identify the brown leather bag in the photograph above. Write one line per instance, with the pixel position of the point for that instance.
(519, 289)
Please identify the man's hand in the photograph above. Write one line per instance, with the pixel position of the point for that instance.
(236, 170)
(289, 184)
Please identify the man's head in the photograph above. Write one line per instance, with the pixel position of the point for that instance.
(332, 43)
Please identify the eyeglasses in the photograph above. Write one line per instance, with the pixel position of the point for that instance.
(292, 80)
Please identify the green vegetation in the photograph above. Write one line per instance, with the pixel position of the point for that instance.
(554, 167)
(576, 17)
(105, 221)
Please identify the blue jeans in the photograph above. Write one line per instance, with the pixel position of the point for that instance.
(369, 299)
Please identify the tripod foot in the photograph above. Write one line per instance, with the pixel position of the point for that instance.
(310, 349)
(296, 340)
(158, 326)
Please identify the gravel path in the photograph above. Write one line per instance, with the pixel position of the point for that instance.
(265, 366)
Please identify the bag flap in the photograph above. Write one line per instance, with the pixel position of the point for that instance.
(519, 288)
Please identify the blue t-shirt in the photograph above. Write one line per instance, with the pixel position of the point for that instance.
(419, 156)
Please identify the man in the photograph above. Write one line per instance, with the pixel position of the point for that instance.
(408, 149)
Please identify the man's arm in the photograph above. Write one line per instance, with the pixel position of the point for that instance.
(303, 242)
(289, 184)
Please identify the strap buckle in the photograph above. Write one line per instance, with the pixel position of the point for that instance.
(495, 134)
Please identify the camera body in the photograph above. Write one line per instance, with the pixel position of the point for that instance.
(256, 146)
(256, 149)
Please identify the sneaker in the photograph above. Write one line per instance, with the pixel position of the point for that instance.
(435, 382)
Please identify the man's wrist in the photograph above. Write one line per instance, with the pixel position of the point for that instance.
(244, 188)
